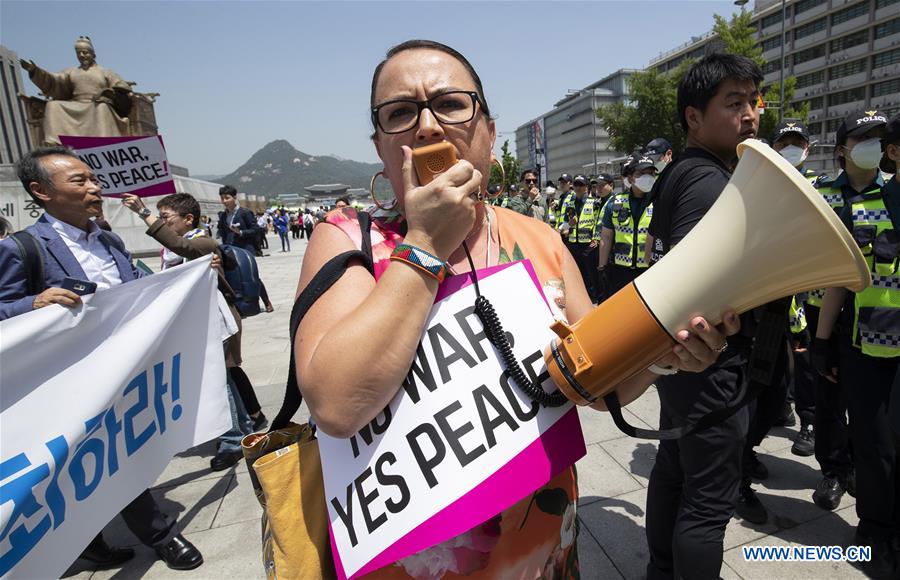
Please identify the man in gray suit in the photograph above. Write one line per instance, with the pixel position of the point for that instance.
(71, 245)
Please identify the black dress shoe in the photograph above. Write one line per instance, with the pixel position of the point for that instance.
(805, 442)
(828, 493)
(103, 556)
(223, 461)
(179, 554)
(750, 508)
(757, 468)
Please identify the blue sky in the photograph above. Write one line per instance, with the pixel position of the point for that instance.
(235, 75)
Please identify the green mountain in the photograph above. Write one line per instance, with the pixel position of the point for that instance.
(280, 168)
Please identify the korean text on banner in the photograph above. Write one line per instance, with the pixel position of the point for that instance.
(135, 165)
(460, 442)
(95, 402)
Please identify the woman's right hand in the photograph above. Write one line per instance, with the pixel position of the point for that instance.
(440, 214)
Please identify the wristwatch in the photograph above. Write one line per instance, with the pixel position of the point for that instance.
(144, 213)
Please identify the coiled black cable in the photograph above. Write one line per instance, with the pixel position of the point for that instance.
(493, 329)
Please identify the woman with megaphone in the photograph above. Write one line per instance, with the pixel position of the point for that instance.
(355, 345)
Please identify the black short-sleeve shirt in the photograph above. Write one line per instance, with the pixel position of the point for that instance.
(684, 193)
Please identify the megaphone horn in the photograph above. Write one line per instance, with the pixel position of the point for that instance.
(768, 235)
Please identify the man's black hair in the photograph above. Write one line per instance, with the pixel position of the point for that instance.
(183, 204)
(701, 82)
(29, 168)
(432, 45)
(227, 190)
(526, 172)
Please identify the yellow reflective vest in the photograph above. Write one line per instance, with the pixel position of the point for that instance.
(876, 310)
(797, 316)
(628, 244)
(587, 219)
(833, 195)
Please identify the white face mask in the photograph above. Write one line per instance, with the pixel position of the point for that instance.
(794, 155)
(660, 165)
(645, 182)
(866, 154)
(626, 182)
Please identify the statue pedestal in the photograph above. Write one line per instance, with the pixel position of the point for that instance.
(141, 118)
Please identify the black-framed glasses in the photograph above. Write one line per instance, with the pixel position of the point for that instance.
(450, 108)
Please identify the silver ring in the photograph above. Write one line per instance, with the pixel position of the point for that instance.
(722, 348)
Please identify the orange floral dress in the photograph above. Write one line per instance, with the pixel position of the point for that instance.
(536, 537)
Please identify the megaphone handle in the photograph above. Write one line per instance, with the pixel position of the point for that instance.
(749, 390)
(493, 329)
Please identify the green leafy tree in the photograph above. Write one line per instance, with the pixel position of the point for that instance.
(653, 112)
(739, 37)
(510, 166)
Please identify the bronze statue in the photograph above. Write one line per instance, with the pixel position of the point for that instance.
(85, 100)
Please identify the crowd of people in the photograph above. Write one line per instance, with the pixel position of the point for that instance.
(840, 349)
(836, 370)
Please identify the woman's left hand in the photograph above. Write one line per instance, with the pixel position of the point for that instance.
(699, 347)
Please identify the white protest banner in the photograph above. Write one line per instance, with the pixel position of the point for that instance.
(95, 401)
(460, 442)
(135, 165)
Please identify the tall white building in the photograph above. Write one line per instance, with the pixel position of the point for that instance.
(844, 53)
(570, 138)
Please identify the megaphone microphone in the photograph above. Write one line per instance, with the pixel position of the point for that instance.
(768, 235)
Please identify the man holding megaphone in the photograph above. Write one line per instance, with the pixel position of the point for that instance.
(694, 483)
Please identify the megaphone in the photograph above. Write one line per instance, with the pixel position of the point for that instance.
(768, 235)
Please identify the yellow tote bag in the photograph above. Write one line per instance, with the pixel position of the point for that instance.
(284, 463)
(287, 477)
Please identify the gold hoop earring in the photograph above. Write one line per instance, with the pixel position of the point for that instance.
(372, 192)
(502, 189)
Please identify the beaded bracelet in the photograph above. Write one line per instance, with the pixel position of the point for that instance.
(419, 258)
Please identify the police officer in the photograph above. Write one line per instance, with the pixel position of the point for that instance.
(604, 189)
(868, 334)
(860, 176)
(564, 193)
(791, 140)
(581, 218)
(660, 151)
(552, 203)
(605, 184)
(623, 232)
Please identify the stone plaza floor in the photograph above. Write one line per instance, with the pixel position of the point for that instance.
(218, 512)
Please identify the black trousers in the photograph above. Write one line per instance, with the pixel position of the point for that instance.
(146, 521)
(868, 381)
(767, 407)
(586, 258)
(620, 276)
(832, 438)
(694, 483)
(804, 388)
